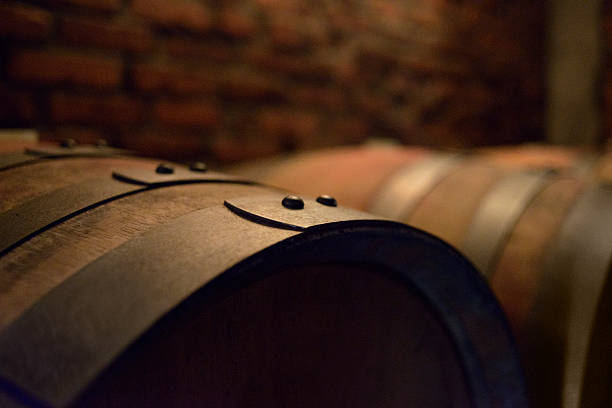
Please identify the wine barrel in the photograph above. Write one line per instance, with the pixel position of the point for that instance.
(129, 282)
(356, 175)
(536, 221)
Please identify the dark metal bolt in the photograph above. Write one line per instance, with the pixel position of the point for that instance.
(101, 143)
(198, 166)
(68, 143)
(164, 168)
(327, 200)
(293, 202)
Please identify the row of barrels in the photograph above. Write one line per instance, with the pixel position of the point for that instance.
(129, 282)
(535, 220)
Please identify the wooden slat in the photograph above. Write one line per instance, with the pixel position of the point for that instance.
(22, 184)
(49, 258)
(497, 215)
(354, 176)
(449, 207)
(517, 274)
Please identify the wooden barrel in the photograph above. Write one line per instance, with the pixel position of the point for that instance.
(356, 175)
(128, 282)
(537, 222)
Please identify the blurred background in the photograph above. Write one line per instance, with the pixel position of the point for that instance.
(242, 79)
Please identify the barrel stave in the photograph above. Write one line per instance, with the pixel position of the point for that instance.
(447, 209)
(54, 255)
(24, 183)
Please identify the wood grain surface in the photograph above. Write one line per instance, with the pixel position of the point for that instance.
(23, 183)
(447, 209)
(352, 175)
(517, 275)
(315, 335)
(49, 258)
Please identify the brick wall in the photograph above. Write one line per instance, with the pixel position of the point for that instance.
(242, 78)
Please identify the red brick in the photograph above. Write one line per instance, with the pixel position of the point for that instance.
(101, 33)
(466, 17)
(24, 22)
(186, 113)
(188, 14)
(173, 144)
(285, 5)
(349, 130)
(48, 67)
(436, 65)
(101, 110)
(184, 47)
(287, 33)
(17, 107)
(376, 62)
(437, 135)
(100, 5)
(298, 68)
(427, 16)
(285, 36)
(346, 71)
(434, 93)
(227, 149)
(387, 13)
(153, 78)
(299, 128)
(370, 103)
(399, 121)
(317, 96)
(343, 22)
(247, 87)
(236, 25)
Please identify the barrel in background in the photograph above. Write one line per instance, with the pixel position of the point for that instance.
(356, 175)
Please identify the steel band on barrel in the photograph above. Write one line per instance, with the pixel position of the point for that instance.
(498, 214)
(408, 186)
